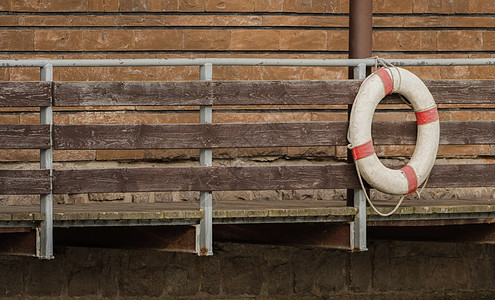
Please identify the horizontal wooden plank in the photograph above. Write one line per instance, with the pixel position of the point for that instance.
(204, 179)
(451, 133)
(25, 93)
(462, 175)
(197, 136)
(204, 93)
(24, 136)
(248, 178)
(24, 182)
(251, 92)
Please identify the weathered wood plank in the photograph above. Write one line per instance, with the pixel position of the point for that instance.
(204, 93)
(251, 92)
(24, 136)
(25, 93)
(248, 178)
(451, 133)
(24, 182)
(197, 136)
(205, 179)
(462, 175)
(462, 91)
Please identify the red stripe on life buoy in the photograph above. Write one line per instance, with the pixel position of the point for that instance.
(386, 79)
(363, 150)
(412, 180)
(427, 116)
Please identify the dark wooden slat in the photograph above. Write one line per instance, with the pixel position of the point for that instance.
(462, 91)
(24, 182)
(451, 133)
(24, 136)
(252, 92)
(462, 175)
(192, 136)
(25, 93)
(199, 135)
(205, 178)
(204, 93)
(248, 178)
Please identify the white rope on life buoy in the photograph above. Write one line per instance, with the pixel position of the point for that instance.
(374, 88)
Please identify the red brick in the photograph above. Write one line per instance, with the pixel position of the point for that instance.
(329, 21)
(290, 6)
(337, 6)
(24, 74)
(170, 5)
(157, 40)
(16, 40)
(269, 5)
(25, 5)
(463, 150)
(461, 6)
(96, 5)
(191, 5)
(404, 41)
(488, 40)
(303, 40)
(9, 119)
(230, 5)
(460, 40)
(287, 20)
(392, 6)
(189, 20)
(481, 6)
(19, 155)
(222, 20)
(74, 155)
(338, 40)
(5, 5)
(58, 40)
(206, 39)
(140, 5)
(427, 6)
(141, 20)
(63, 5)
(7, 20)
(254, 40)
(107, 40)
(112, 5)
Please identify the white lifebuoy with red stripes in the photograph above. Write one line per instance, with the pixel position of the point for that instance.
(373, 89)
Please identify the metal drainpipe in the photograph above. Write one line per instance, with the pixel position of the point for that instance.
(360, 30)
(360, 46)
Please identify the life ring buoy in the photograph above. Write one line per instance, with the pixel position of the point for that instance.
(373, 89)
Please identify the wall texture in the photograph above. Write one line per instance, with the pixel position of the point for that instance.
(390, 270)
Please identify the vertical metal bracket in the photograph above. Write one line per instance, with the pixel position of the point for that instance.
(206, 159)
(45, 251)
(358, 227)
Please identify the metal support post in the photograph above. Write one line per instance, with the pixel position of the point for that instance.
(45, 251)
(205, 159)
(358, 227)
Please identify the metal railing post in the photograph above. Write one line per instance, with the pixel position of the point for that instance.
(358, 227)
(45, 251)
(206, 160)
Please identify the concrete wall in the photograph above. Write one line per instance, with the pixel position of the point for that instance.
(390, 270)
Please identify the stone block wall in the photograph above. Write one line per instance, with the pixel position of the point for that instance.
(390, 270)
